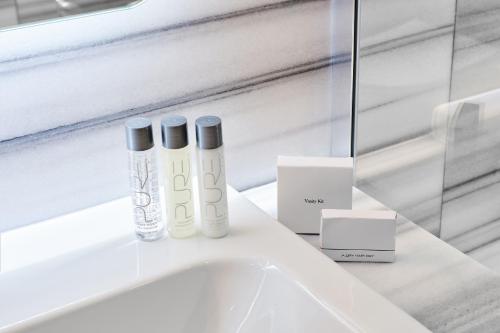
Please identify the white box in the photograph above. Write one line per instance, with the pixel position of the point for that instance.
(358, 235)
(306, 185)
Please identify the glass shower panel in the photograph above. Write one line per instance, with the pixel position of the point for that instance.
(471, 192)
(404, 74)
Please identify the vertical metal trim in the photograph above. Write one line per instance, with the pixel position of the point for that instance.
(1, 264)
(355, 76)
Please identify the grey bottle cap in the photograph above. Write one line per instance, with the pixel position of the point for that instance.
(174, 134)
(139, 134)
(208, 132)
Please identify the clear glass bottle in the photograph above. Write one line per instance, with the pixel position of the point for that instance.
(143, 175)
(176, 170)
(212, 177)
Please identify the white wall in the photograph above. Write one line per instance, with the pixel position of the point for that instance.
(278, 73)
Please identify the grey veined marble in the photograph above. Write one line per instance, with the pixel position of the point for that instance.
(471, 199)
(429, 119)
(276, 72)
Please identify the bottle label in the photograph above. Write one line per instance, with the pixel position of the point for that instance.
(144, 194)
(213, 187)
(181, 201)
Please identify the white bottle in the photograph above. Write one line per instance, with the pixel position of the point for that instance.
(176, 169)
(211, 177)
(143, 177)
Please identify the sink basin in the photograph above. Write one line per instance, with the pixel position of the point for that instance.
(261, 278)
(233, 296)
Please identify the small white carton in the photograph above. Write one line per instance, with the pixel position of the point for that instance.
(358, 235)
(306, 185)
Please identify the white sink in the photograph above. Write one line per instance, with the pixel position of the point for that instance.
(261, 278)
(233, 296)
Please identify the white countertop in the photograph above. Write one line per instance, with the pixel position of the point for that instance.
(103, 260)
(433, 282)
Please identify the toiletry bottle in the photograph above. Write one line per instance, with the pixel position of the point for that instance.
(176, 169)
(144, 179)
(211, 177)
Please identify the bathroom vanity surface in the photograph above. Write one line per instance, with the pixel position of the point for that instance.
(441, 287)
(260, 278)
